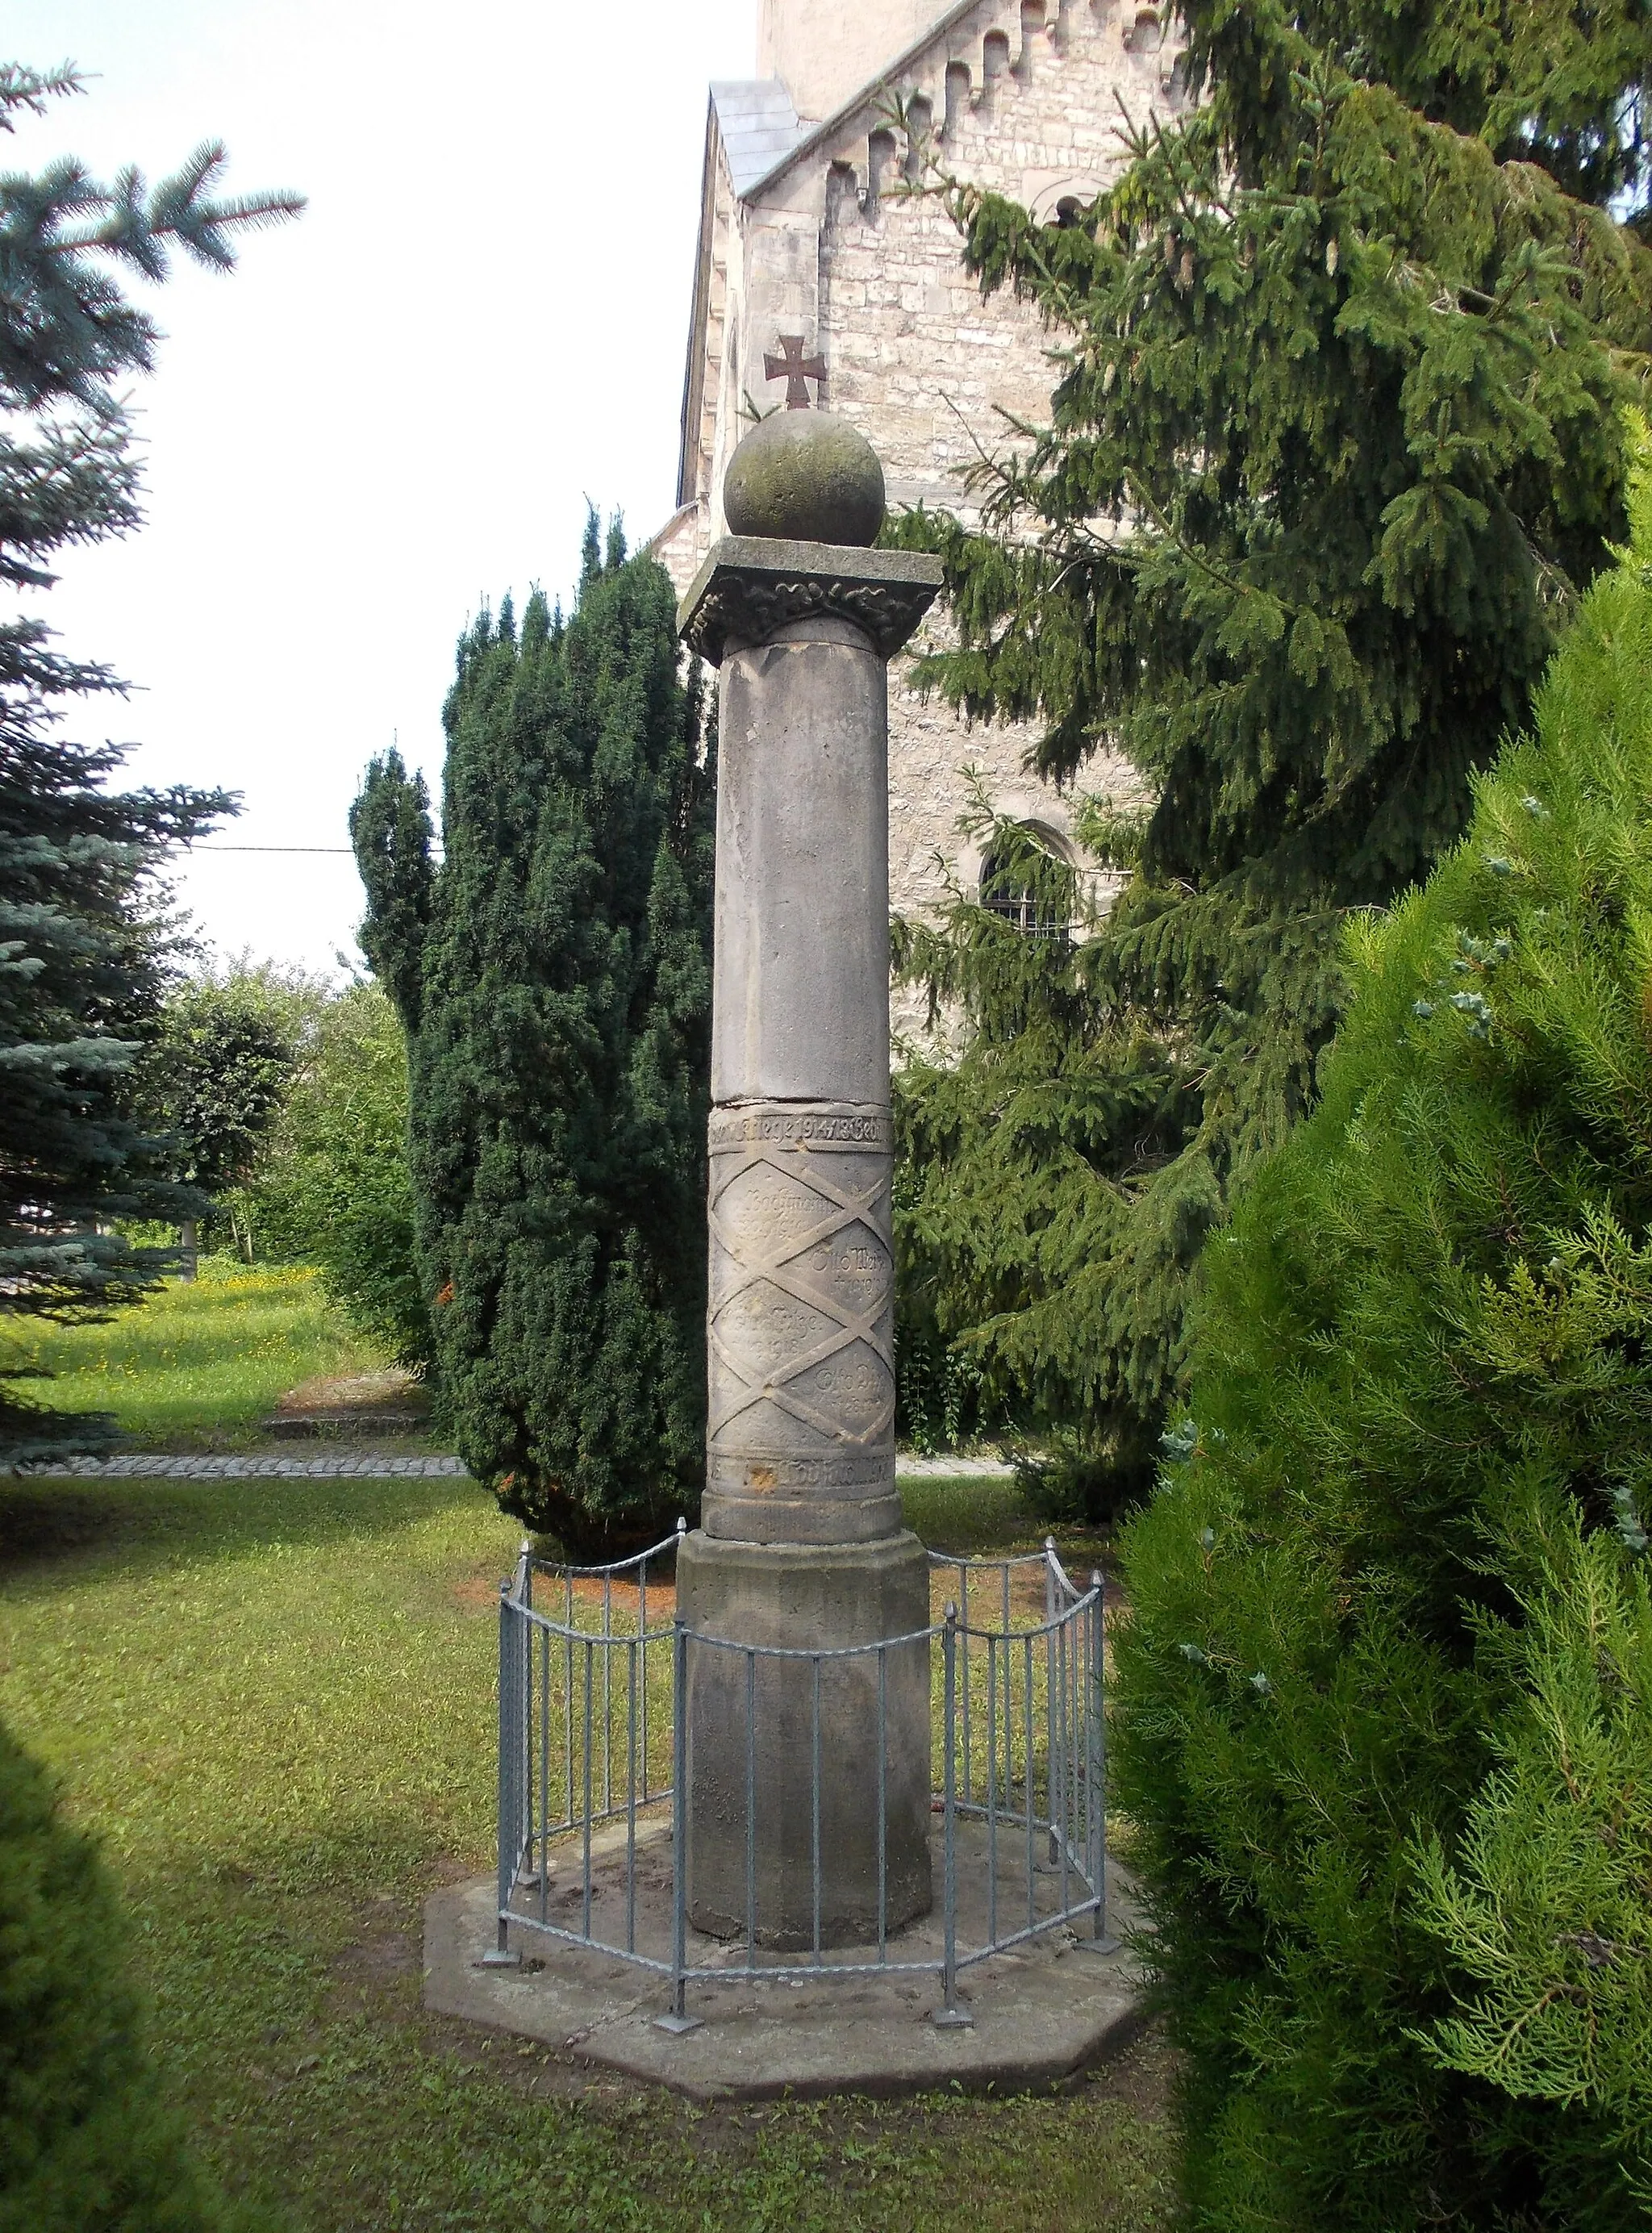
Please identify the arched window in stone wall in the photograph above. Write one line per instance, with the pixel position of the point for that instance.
(1061, 201)
(1007, 895)
(958, 100)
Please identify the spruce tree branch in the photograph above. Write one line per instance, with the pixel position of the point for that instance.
(31, 90)
(1143, 496)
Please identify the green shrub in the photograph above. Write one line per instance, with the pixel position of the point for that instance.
(1384, 1706)
(214, 1078)
(88, 2142)
(334, 1188)
(941, 1401)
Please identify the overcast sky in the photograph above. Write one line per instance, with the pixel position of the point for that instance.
(396, 405)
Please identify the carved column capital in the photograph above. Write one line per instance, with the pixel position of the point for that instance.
(750, 585)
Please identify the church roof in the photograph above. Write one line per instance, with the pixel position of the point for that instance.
(758, 128)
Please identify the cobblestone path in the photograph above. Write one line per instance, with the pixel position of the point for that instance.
(357, 1465)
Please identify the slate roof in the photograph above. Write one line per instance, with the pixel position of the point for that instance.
(758, 128)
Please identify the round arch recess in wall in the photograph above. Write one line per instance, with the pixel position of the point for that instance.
(1059, 200)
(1145, 35)
(998, 891)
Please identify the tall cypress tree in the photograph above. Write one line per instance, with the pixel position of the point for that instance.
(1334, 449)
(84, 963)
(554, 977)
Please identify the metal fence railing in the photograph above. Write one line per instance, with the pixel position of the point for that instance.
(595, 1670)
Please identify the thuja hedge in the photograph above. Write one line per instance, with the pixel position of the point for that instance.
(1385, 1705)
(88, 2143)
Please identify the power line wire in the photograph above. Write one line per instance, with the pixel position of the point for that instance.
(341, 852)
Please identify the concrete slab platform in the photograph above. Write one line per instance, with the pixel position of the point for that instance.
(1042, 2013)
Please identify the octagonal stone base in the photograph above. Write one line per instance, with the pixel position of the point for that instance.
(1041, 2014)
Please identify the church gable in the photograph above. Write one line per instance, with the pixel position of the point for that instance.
(975, 81)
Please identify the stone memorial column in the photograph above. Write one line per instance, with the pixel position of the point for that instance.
(801, 1544)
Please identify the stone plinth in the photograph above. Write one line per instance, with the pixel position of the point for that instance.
(801, 1597)
(802, 1547)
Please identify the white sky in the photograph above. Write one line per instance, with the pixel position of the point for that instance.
(396, 407)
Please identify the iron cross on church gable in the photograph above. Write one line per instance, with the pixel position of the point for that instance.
(795, 368)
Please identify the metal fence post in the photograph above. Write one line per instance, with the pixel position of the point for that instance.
(949, 2016)
(677, 2018)
(1055, 1767)
(751, 1808)
(500, 1956)
(1101, 1941)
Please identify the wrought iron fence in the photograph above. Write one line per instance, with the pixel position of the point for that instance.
(593, 1753)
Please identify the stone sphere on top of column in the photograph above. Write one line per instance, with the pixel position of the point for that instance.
(805, 476)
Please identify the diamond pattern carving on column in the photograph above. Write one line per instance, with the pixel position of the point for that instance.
(802, 1281)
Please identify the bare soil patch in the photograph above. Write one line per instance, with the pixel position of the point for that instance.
(390, 1389)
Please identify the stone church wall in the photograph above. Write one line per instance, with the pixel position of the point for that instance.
(1017, 99)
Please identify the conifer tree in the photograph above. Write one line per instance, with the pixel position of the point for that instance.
(1383, 1720)
(554, 978)
(1020, 1133)
(83, 961)
(1334, 449)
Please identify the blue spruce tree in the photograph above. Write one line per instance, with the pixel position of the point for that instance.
(83, 966)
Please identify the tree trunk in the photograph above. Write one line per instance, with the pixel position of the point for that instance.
(189, 1238)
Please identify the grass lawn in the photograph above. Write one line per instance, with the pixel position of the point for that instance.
(273, 1702)
(197, 1366)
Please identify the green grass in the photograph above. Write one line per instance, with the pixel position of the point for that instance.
(274, 1703)
(197, 1366)
(966, 1513)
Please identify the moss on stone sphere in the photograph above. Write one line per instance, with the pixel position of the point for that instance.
(804, 477)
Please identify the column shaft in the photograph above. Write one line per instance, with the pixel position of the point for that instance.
(807, 1779)
(800, 1350)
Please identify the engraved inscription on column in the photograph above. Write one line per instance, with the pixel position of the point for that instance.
(802, 1300)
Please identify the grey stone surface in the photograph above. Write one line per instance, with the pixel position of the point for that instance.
(949, 1469)
(804, 476)
(752, 584)
(1041, 2013)
(800, 1006)
(316, 1426)
(754, 1727)
(801, 1324)
(155, 1465)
